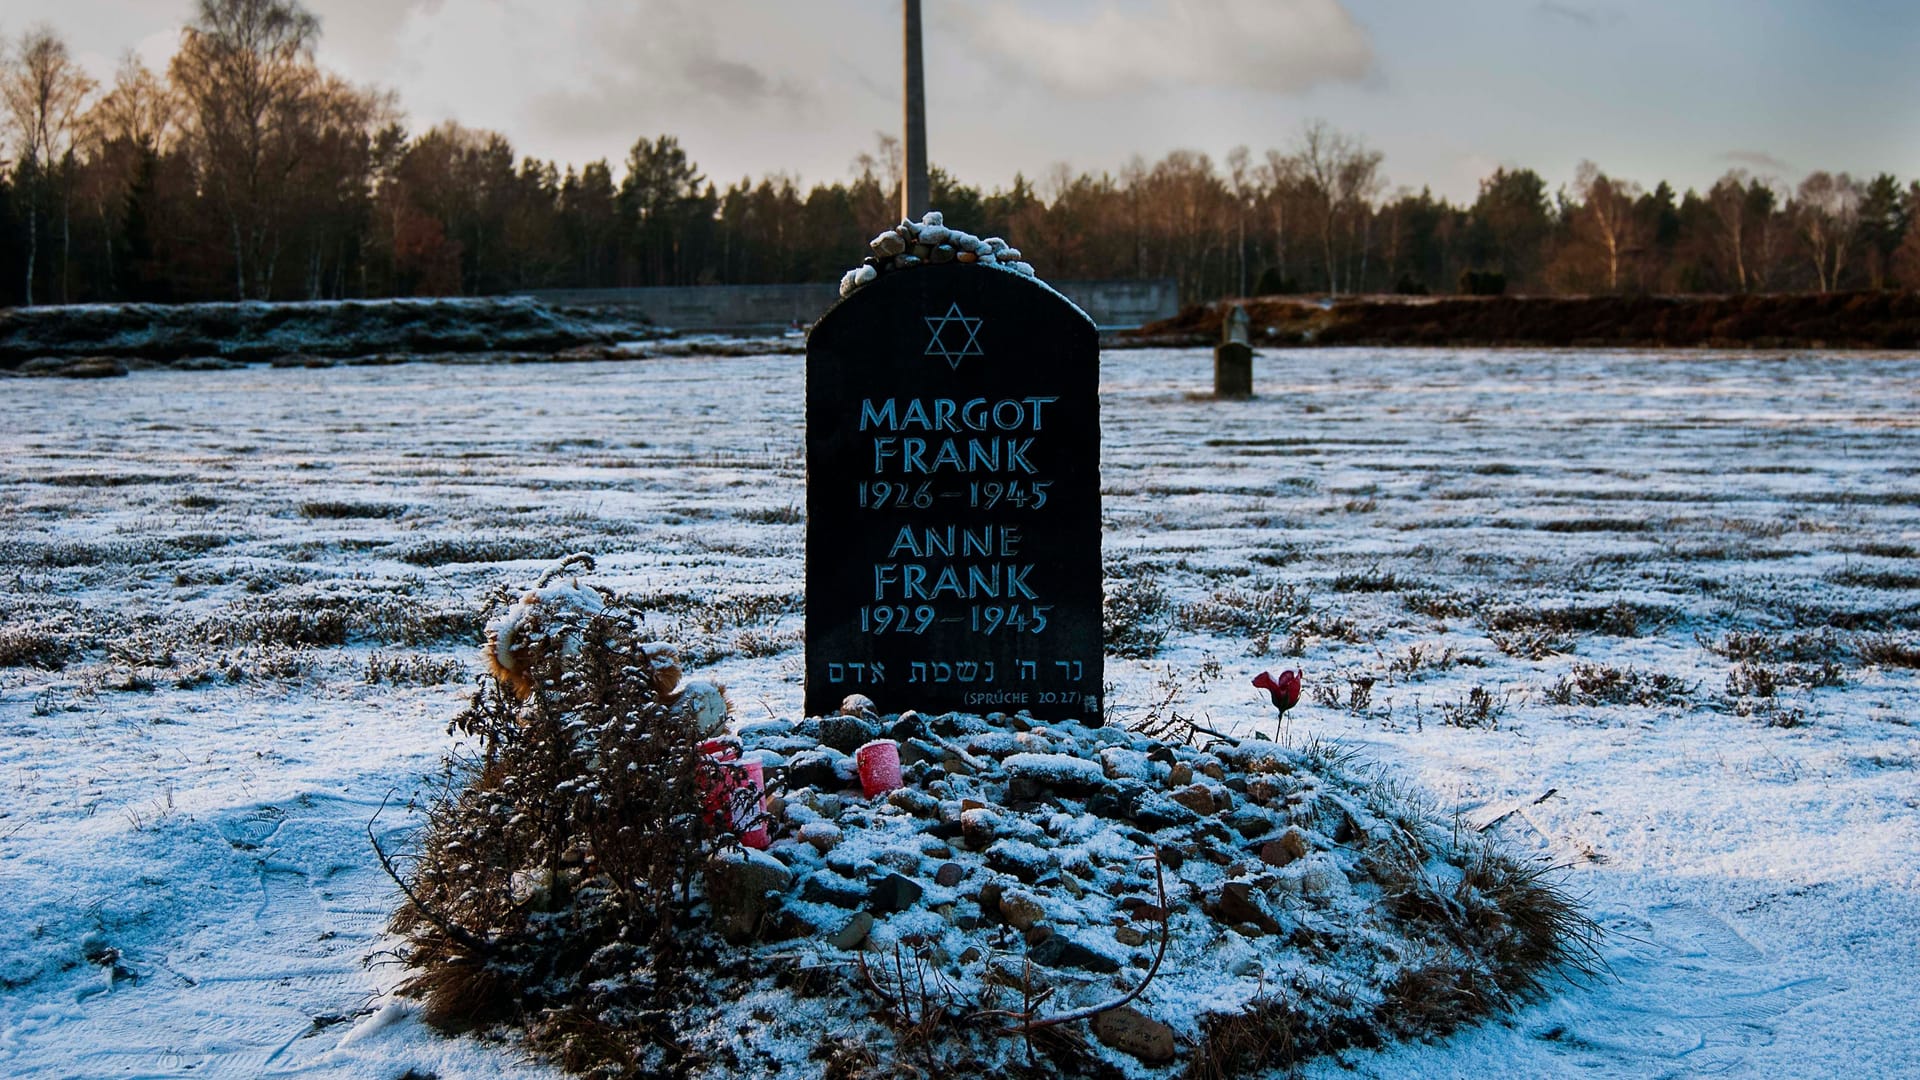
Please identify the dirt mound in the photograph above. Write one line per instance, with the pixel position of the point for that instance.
(348, 329)
(1860, 320)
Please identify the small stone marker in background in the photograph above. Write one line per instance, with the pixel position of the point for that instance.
(1233, 357)
(953, 497)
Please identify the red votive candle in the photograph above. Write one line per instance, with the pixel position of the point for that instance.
(719, 792)
(879, 763)
(754, 813)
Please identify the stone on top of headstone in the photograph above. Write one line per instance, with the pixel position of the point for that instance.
(953, 492)
(1237, 327)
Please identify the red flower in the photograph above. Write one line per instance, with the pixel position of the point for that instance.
(1283, 688)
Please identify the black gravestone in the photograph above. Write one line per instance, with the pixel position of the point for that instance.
(953, 497)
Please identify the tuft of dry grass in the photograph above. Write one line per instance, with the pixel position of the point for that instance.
(1887, 650)
(414, 669)
(1807, 646)
(1481, 708)
(343, 509)
(39, 646)
(1136, 617)
(1604, 684)
(1249, 612)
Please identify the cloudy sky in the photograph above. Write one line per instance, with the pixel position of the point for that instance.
(1649, 89)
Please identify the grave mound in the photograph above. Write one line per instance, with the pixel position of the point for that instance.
(1034, 898)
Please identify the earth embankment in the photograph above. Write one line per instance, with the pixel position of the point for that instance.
(342, 330)
(1856, 320)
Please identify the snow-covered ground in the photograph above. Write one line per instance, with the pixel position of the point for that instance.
(237, 611)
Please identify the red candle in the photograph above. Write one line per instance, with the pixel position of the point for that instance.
(720, 792)
(755, 812)
(879, 763)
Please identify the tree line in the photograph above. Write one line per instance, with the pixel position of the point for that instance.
(246, 171)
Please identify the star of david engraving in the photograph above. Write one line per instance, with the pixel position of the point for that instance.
(950, 328)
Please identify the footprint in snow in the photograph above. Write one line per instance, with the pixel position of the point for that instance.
(1692, 997)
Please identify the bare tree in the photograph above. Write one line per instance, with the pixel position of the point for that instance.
(1728, 200)
(1340, 179)
(1240, 179)
(1827, 213)
(245, 68)
(1281, 178)
(140, 109)
(124, 132)
(43, 90)
(1607, 209)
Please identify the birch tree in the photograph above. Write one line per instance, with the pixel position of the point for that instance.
(1827, 213)
(245, 69)
(43, 91)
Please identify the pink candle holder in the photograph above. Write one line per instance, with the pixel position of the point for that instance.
(749, 812)
(879, 764)
(754, 813)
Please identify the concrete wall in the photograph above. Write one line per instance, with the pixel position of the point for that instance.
(1111, 304)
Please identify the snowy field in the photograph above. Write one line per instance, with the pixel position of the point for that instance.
(1655, 616)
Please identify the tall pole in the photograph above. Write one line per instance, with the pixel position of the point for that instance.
(913, 185)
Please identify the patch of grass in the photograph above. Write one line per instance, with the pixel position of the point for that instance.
(712, 629)
(1603, 684)
(1884, 550)
(1418, 659)
(1372, 580)
(1358, 687)
(1753, 679)
(106, 479)
(1889, 651)
(67, 554)
(40, 646)
(1619, 619)
(777, 515)
(1532, 642)
(414, 669)
(1136, 617)
(1481, 708)
(1771, 713)
(1437, 604)
(1816, 646)
(337, 509)
(274, 623)
(1249, 612)
(1875, 579)
(1815, 614)
(1595, 525)
(446, 551)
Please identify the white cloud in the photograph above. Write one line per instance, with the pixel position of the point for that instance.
(1270, 46)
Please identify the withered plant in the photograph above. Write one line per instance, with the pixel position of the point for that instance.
(551, 879)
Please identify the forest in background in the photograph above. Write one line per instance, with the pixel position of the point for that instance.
(247, 171)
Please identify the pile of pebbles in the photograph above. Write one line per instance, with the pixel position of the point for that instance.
(930, 241)
(1019, 858)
